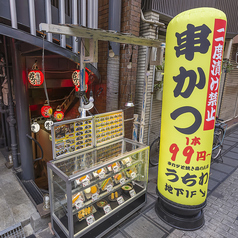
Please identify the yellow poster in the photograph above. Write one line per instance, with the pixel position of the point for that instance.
(193, 64)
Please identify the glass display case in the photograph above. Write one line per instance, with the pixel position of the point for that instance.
(92, 191)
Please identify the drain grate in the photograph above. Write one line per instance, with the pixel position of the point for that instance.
(31, 190)
(15, 231)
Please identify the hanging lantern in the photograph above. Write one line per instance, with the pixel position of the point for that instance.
(36, 77)
(59, 114)
(76, 77)
(35, 127)
(46, 111)
(48, 124)
(76, 88)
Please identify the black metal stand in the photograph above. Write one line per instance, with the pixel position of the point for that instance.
(178, 216)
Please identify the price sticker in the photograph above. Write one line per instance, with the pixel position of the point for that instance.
(79, 203)
(128, 164)
(133, 175)
(95, 196)
(115, 169)
(109, 188)
(107, 208)
(90, 219)
(85, 182)
(101, 175)
(132, 193)
(120, 200)
(122, 181)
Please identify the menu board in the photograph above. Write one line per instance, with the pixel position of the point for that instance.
(73, 136)
(109, 126)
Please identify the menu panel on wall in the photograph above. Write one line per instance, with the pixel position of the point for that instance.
(71, 136)
(109, 127)
(75, 135)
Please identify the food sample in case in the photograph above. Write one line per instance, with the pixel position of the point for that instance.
(90, 191)
(100, 173)
(102, 203)
(107, 184)
(76, 197)
(82, 214)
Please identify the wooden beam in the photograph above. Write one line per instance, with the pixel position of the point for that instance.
(98, 34)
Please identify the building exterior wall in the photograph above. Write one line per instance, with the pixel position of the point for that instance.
(130, 23)
(170, 8)
(229, 105)
(149, 31)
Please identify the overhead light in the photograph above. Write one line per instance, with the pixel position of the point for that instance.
(129, 104)
(111, 53)
(91, 99)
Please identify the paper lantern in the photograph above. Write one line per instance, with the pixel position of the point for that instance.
(58, 115)
(35, 127)
(36, 77)
(76, 77)
(48, 124)
(46, 111)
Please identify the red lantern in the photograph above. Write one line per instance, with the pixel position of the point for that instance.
(58, 115)
(36, 77)
(46, 111)
(76, 76)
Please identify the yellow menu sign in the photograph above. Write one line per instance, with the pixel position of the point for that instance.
(193, 61)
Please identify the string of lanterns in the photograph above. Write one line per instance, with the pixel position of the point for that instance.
(36, 78)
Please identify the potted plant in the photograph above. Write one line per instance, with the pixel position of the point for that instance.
(159, 71)
(158, 88)
(227, 65)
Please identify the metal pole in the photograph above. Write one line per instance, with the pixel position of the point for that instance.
(32, 14)
(142, 122)
(95, 14)
(151, 103)
(82, 77)
(62, 21)
(2, 117)
(75, 21)
(83, 12)
(13, 13)
(48, 15)
(90, 14)
(8, 139)
(22, 110)
(11, 118)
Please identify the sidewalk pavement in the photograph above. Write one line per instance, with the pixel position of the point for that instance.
(221, 212)
(15, 206)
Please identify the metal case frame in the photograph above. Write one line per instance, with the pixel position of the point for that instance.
(142, 152)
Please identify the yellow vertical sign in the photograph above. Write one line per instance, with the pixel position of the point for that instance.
(193, 61)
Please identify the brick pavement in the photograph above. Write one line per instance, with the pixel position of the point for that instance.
(221, 213)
